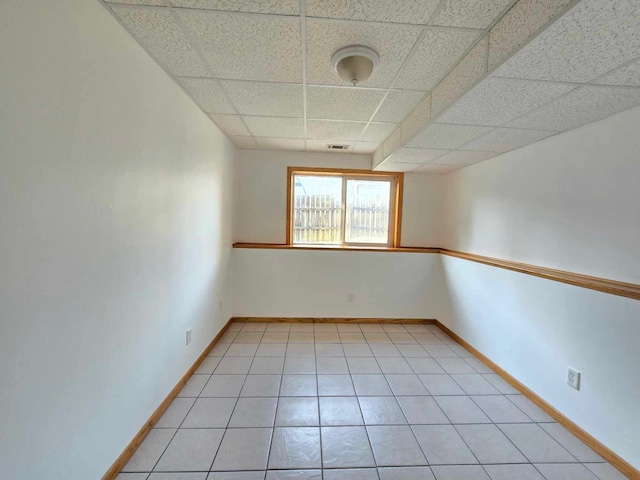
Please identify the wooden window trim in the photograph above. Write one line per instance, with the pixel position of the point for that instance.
(397, 193)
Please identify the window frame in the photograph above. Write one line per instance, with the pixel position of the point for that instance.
(395, 203)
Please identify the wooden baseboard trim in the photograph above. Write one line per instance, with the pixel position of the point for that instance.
(610, 456)
(128, 452)
(333, 320)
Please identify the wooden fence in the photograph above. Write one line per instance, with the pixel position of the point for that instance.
(317, 219)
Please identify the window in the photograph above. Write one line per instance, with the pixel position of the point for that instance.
(343, 207)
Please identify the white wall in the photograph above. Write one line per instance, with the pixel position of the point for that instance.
(570, 202)
(115, 234)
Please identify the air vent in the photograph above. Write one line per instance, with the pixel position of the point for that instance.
(335, 146)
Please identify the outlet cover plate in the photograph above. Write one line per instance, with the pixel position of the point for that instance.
(573, 378)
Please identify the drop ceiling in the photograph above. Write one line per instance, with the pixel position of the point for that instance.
(458, 81)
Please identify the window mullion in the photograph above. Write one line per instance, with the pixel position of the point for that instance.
(343, 223)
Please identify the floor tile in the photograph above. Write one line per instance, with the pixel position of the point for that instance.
(412, 351)
(351, 474)
(299, 386)
(440, 385)
(501, 385)
(394, 365)
(352, 337)
(474, 384)
(325, 327)
(338, 411)
(499, 409)
(332, 365)
(357, 350)
(446, 339)
(604, 471)
(405, 473)
(371, 385)
(190, 450)
(210, 413)
(442, 445)
(565, 471)
(294, 475)
(242, 350)
(381, 411)
(462, 472)
(300, 365)
(371, 327)
(297, 412)
(363, 365)
(278, 327)
(461, 351)
(425, 339)
(536, 444)
(393, 328)
(178, 476)
(530, 409)
(349, 328)
(207, 366)
(489, 444)
(335, 385)
(406, 385)
(455, 365)
(243, 449)
(149, 451)
(297, 447)
(477, 365)
(261, 386)
(425, 366)
(380, 337)
(434, 329)
(381, 350)
(175, 414)
(301, 337)
(422, 411)
(223, 386)
(233, 365)
(571, 443)
(254, 327)
(513, 472)
(402, 338)
(267, 365)
(254, 412)
(395, 446)
(327, 337)
(440, 351)
(301, 327)
(329, 350)
(248, 337)
(275, 337)
(346, 447)
(461, 409)
(194, 386)
(301, 350)
(415, 328)
(271, 350)
(219, 349)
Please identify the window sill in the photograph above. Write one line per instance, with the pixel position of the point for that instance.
(339, 248)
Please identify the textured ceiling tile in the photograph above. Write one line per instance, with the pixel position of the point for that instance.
(416, 155)
(521, 22)
(470, 70)
(496, 101)
(281, 143)
(591, 39)
(579, 107)
(397, 105)
(395, 167)
(438, 51)
(505, 139)
(470, 13)
(463, 158)
(335, 103)
(446, 137)
(244, 142)
(230, 124)
(157, 31)
(628, 75)
(160, 3)
(275, 127)
(417, 119)
(391, 42)
(377, 132)
(328, 130)
(265, 99)
(437, 168)
(365, 147)
(389, 11)
(207, 94)
(248, 47)
(274, 7)
(392, 143)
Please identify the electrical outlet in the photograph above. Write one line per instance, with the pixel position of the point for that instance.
(188, 337)
(573, 378)
(349, 297)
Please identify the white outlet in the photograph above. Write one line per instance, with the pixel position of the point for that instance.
(573, 378)
(188, 337)
(349, 297)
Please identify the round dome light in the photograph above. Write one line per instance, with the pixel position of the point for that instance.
(355, 63)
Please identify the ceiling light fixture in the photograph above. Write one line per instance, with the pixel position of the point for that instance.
(355, 63)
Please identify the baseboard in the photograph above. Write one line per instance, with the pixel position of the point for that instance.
(611, 457)
(128, 452)
(425, 321)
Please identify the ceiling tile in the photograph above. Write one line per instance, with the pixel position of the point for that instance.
(438, 51)
(446, 137)
(505, 139)
(579, 107)
(160, 3)
(429, 168)
(328, 130)
(321, 146)
(397, 105)
(265, 99)
(470, 13)
(589, 40)
(377, 132)
(338, 103)
(230, 124)
(281, 143)
(157, 31)
(416, 155)
(392, 143)
(458, 157)
(628, 75)
(248, 47)
(391, 42)
(496, 101)
(274, 7)
(389, 11)
(365, 147)
(207, 93)
(420, 116)
(276, 127)
(244, 142)
(395, 167)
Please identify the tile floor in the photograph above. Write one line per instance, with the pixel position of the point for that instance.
(354, 402)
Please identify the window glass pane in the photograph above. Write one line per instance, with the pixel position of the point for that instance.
(317, 209)
(367, 211)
